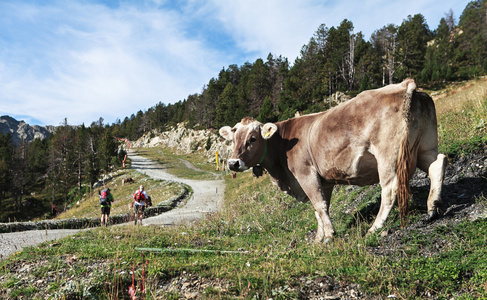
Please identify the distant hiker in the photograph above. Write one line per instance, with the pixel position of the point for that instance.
(140, 198)
(106, 199)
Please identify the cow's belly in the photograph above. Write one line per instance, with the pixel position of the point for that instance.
(362, 170)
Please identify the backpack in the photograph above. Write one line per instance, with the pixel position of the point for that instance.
(139, 196)
(104, 197)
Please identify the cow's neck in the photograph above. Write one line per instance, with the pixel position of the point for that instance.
(271, 159)
(276, 164)
(273, 163)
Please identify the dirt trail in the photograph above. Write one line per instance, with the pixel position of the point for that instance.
(207, 198)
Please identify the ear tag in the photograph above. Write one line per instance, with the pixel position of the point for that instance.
(267, 134)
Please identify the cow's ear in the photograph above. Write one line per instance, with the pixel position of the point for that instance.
(268, 130)
(227, 133)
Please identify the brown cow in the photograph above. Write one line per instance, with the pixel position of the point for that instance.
(380, 136)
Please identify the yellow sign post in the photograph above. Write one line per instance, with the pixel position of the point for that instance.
(216, 158)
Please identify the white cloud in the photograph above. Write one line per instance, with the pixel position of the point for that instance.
(97, 62)
(280, 27)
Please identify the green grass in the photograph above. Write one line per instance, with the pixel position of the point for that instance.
(274, 230)
(272, 233)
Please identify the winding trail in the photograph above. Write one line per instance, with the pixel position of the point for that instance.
(207, 198)
(207, 194)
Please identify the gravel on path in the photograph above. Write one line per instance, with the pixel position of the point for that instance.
(207, 194)
(14, 241)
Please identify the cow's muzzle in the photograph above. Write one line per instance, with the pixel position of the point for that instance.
(236, 165)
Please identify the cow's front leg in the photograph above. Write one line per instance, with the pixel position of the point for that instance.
(320, 232)
(320, 198)
(388, 197)
(325, 230)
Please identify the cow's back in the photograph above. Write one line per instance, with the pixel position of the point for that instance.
(344, 143)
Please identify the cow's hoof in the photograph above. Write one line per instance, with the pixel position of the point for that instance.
(432, 215)
(327, 240)
(371, 231)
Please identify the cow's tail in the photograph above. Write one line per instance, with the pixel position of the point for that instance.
(404, 157)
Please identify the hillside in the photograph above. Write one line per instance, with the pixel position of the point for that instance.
(269, 234)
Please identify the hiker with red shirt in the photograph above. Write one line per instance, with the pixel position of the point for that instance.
(140, 198)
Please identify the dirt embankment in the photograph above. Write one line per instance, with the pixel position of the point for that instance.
(465, 183)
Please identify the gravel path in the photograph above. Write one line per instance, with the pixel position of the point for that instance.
(207, 195)
(207, 198)
(14, 241)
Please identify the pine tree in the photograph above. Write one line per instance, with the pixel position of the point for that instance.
(385, 42)
(413, 36)
(6, 154)
(61, 168)
(226, 111)
(266, 113)
(258, 86)
(471, 53)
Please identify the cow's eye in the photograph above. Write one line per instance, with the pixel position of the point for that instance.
(250, 141)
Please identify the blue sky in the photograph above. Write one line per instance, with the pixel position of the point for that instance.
(83, 60)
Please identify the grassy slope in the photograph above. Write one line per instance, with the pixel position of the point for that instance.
(275, 230)
(89, 206)
(462, 117)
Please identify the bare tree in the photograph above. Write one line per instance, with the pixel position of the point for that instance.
(350, 61)
(385, 41)
(450, 20)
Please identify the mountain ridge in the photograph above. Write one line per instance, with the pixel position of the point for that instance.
(21, 131)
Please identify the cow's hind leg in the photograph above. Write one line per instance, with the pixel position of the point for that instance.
(434, 164)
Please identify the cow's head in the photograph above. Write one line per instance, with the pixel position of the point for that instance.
(250, 141)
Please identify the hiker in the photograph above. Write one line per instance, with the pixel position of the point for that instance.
(106, 199)
(140, 198)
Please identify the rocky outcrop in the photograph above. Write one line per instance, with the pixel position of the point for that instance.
(184, 141)
(21, 131)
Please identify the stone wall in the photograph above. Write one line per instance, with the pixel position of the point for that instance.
(80, 223)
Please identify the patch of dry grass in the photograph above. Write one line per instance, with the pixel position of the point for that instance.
(462, 117)
(455, 98)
